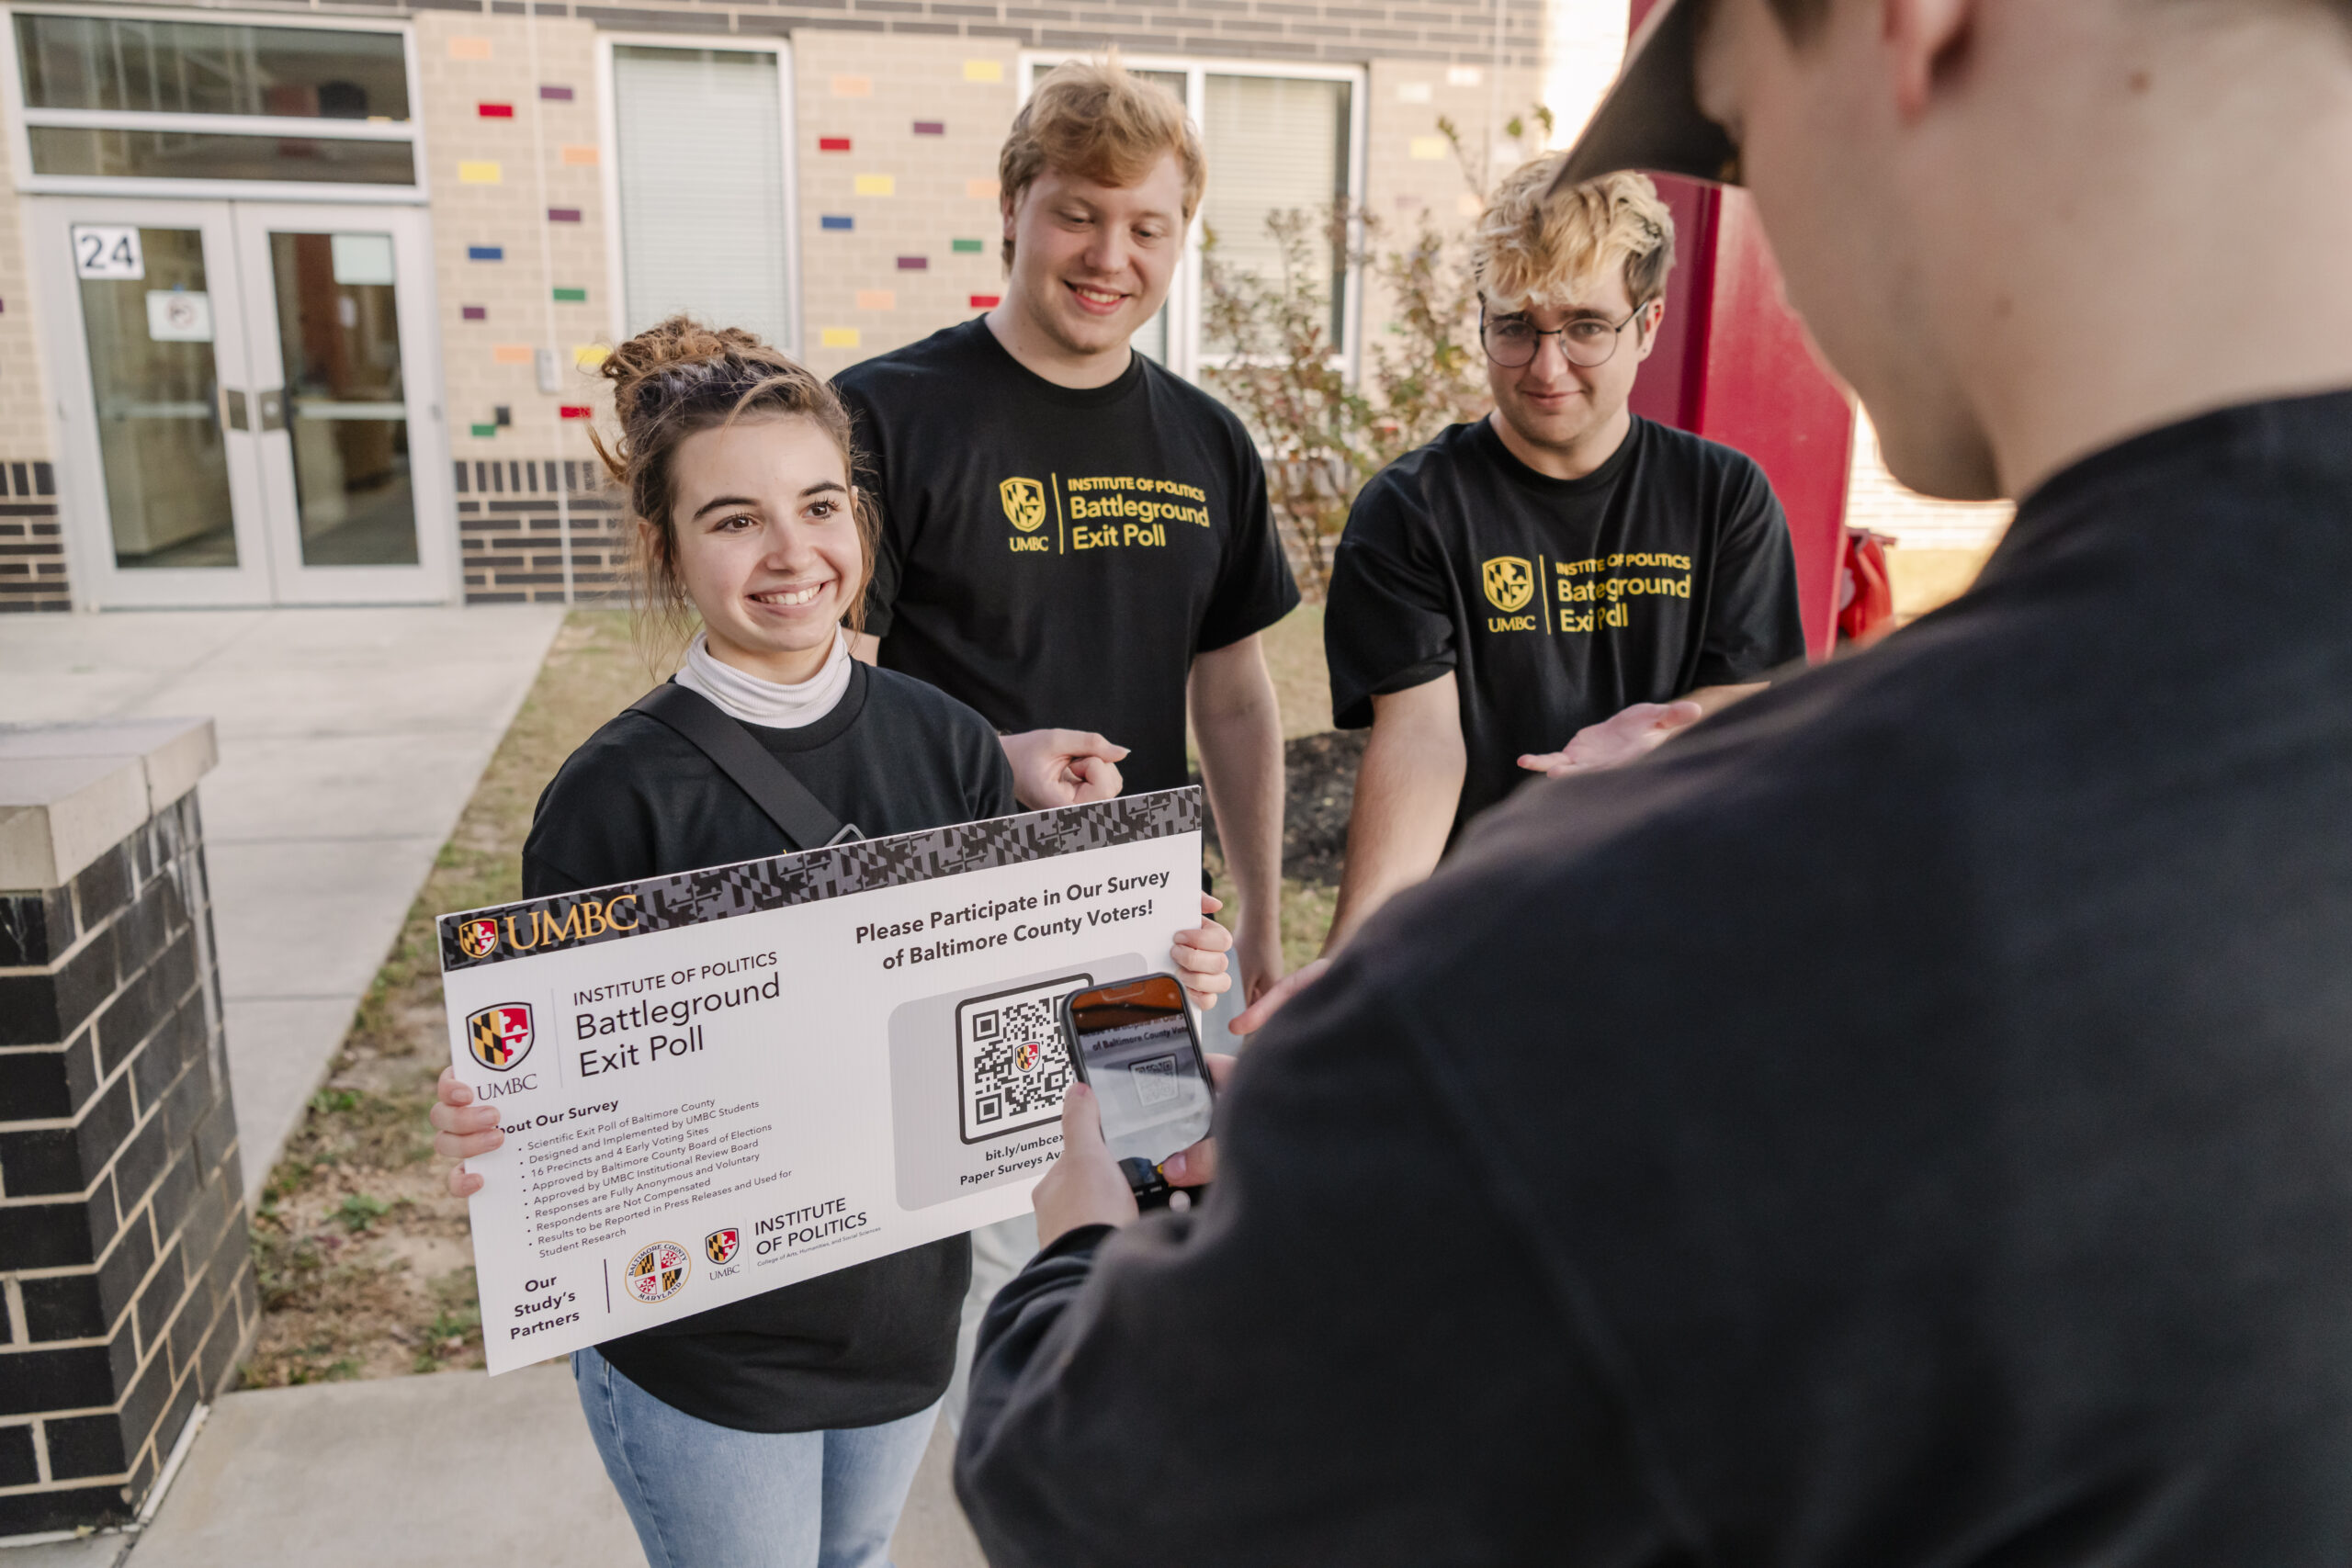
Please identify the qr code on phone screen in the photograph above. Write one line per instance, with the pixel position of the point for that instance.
(1012, 1066)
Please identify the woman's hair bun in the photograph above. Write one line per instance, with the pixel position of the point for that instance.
(679, 343)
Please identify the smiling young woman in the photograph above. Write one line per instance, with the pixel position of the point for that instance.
(783, 1429)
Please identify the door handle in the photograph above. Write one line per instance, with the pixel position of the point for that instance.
(273, 408)
(235, 403)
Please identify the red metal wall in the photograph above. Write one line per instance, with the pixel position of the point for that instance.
(1733, 364)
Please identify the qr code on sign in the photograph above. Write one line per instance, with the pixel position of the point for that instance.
(1012, 1066)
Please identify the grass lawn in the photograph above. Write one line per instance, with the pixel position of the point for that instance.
(365, 1261)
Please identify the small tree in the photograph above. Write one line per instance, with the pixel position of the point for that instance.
(1322, 437)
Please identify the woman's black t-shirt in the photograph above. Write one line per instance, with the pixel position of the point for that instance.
(874, 1342)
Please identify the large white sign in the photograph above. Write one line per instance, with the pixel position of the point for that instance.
(721, 1082)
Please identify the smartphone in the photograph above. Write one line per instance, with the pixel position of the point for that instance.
(1133, 1044)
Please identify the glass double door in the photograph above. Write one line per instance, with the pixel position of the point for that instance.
(246, 398)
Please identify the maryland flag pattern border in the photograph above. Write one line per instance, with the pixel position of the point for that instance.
(666, 903)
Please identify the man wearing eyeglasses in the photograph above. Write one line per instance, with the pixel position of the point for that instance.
(1559, 586)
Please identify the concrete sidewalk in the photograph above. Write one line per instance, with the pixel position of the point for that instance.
(350, 740)
(457, 1469)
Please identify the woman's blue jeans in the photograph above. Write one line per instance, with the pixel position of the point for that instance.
(708, 1496)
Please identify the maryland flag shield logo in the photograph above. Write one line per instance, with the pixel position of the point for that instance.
(1025, 1054)
(721, 1245)
(476, 938)
(1511, 582)
(500, 1037)
(1025, 504)
(658, 1273)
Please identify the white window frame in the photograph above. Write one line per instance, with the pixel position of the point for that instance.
(609, 157)
(1185, 356)
(21, 118)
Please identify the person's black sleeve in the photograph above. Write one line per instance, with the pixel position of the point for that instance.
(872, 478)
(1254, 585)
(593, 825)
(1344, 1356)
(987, 771)
(1386, 626)
(1753, 626)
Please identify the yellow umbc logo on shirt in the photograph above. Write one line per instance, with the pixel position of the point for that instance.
(1025, 504)
(1511, 582)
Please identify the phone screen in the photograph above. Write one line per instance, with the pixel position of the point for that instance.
(1136, 1047)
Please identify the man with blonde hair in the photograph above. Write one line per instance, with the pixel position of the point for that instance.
(1561, 585)
(1075, 541)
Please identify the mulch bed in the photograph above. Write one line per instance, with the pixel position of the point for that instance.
(1319, 790)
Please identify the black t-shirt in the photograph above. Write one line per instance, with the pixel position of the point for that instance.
(1557, 602)
(1056, 556)
(875, 1341)
(1908, 1120)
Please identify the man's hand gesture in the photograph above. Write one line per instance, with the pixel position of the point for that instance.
(1614, 742)
(1062, 767)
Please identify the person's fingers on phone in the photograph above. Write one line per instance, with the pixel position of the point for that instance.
(1195, 1166)
(1253, 1017)
(463, 1183)
(1085, 1186)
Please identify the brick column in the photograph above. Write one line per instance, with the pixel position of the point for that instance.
(123, 1256)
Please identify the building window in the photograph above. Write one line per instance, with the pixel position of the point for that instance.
(114, 102)
(1278, 137)
(705, 221)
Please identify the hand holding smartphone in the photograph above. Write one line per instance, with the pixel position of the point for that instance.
(1133, 1043)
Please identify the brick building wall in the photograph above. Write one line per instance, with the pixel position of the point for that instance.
(129, 1289)
(921, 90)
(33, 548)
(899, 220)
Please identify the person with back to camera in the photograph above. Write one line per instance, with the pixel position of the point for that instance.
(1590, 1211)
(1560, 568)
(783, 1429)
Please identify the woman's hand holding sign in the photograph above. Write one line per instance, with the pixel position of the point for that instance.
(462, 1129)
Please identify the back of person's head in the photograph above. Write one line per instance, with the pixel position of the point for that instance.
(1527, 250)
(670, 381)
(1094, 120)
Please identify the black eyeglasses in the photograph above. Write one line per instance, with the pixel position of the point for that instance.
(1513, 341)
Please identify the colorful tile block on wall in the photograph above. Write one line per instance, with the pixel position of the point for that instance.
(877, 185)
(495, 111)
(838, 337)
(572, 296)
(914, 264)
(837, 222)
(474, 312)
(469, 48)
(485, 253)
(551, 95)
(931, 127)
(477, 172)
(832, 144)
(563, 215)
(966, 247)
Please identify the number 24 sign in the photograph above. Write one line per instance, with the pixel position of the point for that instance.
(106, 252)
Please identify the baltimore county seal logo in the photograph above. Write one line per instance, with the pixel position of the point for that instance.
(1511, 582)
(658, 1273)
(721, 1245)
(1025, 504)
(476, 938)
(500, 1037)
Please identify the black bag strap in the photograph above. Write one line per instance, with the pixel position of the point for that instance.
(806, 825)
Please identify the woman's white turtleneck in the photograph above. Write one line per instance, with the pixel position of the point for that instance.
(753, 701)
